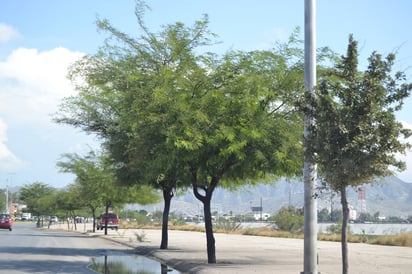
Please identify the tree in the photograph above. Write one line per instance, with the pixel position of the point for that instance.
(128, 100)
(69, 201)
(336, 215)
(168, 114)
(96, 186)
(3, 199)
(34, 196)
(356, 136)
(85, 185)
(324, 215)
(240, 127)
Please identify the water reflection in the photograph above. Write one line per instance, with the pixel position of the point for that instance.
(129, 264)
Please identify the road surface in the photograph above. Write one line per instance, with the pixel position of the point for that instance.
(30, 250)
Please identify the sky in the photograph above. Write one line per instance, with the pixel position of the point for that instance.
(40, 39)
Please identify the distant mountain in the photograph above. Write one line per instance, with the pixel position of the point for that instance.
(389, 196)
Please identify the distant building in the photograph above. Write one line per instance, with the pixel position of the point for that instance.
(353, 214)
(361, 200)
(261, 217)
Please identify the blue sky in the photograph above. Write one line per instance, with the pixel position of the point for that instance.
(40, 39)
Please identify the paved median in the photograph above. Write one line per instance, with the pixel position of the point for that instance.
(253, 254)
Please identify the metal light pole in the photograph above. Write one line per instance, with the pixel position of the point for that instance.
(309, 169)
(7, 198)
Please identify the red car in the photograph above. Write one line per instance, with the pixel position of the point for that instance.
(5, 221)
(112, 221)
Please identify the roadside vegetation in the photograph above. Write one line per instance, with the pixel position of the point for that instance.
(403, 239)
(288, 217)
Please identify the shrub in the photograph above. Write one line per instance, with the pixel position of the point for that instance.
(289, 219)
(226, 225)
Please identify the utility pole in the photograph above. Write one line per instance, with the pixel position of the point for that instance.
(7, 198)
(310, 259)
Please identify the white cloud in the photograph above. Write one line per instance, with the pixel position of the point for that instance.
(32, 86)
(8, 33)
(8, 161)
(33, 83)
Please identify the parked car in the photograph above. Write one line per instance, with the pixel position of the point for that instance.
(54, 219)
(5, 221)
(112, 221)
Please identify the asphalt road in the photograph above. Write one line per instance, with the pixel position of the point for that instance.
(30, 250)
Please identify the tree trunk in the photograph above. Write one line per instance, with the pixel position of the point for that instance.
(344, 239)
(74, 221)
(206, 200)
(38, 221)
(210, 239)
(94, 219)
(106, 220)
(68, 221)
(167, 197)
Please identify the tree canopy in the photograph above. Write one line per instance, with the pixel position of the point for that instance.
(96, 183)
(169, 113)
(356, 137)
(37, 196)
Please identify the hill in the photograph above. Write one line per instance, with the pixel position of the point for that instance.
(389, 196)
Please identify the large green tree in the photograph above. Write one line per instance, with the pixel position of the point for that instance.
(239, 126)
(357, 137)
(169, 114)
(129, 97)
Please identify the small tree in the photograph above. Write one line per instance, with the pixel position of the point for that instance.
(3, 199)
(69, 201)
(96, 184)
(34, 195)
(323, 215)
(356, 136)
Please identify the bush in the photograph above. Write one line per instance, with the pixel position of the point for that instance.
(142, 219)
(226, 225)
(289, 219)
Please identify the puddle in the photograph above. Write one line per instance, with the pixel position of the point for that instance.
(129, 264)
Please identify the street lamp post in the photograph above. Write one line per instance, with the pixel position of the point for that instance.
(309, 170)
(7, 198)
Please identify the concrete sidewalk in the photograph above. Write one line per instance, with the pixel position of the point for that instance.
(252, 254)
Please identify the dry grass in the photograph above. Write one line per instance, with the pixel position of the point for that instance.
(268, 232)
(337, 237)
(187, 228)
(403, 239)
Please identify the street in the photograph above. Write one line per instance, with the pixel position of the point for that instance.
(30, 250)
